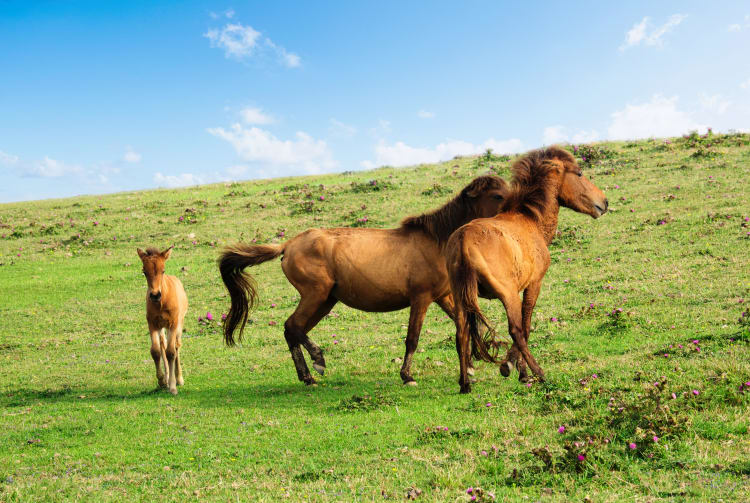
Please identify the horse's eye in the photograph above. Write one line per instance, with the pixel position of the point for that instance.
(497, 197)
(163, 271)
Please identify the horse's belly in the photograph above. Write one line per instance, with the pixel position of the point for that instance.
(371, 299)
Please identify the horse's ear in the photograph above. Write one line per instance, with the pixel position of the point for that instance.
(141, 253)
(167, 253)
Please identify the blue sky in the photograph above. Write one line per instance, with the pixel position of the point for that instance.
(100, 97)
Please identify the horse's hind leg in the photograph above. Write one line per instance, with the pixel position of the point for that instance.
(530, 296)
(463, 347)
(448, 306)
(294, 332)
(416, 318)
(319, 363)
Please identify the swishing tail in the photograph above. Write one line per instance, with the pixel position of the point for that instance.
(241, 286)
(464, 283)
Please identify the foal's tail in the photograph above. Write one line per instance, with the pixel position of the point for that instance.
(242, 287)
(464, 284)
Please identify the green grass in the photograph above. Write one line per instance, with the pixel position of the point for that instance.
(81, 419)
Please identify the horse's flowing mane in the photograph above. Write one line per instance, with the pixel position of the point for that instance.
(441, 223)
(531, 184)
(152, 251)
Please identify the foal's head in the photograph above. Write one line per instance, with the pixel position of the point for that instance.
(575, 190)
(153, 268)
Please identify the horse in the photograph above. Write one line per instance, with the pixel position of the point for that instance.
(374, 270)
(166, 305)
(499, 257)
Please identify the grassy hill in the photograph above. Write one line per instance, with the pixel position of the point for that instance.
(81, 419)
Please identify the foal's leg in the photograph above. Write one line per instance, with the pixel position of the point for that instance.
(416, 318)
(319, 363)
(447, 305)
(172, 359)
(156, 354)
(163, 344)
(178, 358)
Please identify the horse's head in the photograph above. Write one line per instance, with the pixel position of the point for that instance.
(575, 190)
(485, 195)
(153, 268)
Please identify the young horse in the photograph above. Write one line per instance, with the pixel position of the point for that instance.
(375, 270)
(499, 257)
(166, 305)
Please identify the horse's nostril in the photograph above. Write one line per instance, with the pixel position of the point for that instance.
(155, 296)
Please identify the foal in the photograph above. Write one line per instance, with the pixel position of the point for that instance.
(166, 305)
(499, 257)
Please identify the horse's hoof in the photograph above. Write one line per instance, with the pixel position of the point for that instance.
(173, 390)
(465, 389)
(410, 383)
(163, 385)
(180, 382)
(472, 380)
(470, 371)
(311, 382)
(506, 368)
(320, 369)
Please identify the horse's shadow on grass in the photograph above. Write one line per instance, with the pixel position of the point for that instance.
(266, 395)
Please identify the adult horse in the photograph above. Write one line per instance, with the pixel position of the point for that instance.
(375, 270)
(500, 257)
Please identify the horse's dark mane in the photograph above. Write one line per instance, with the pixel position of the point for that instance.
(532, 182)
(441, 223)
(152, 251)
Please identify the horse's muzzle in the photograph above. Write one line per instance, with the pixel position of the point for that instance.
(155, 297)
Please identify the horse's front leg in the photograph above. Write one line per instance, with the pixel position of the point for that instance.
(416, 318)
(178, 358)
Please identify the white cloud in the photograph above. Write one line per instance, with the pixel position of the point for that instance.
(559, 134)
(401, 154)
(7, 159)
(659, 117)
(236, 40)
(734, 27)
(255, 116)
(642, 33)
(241, 42)
(131, 156)
(716, 103)
(338, 129)
(50, 168)
(258, 145)
(181, 180)
(424, 114)
(229, 13)
(746, 84)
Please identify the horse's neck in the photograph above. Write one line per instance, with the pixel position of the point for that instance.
(548, 223)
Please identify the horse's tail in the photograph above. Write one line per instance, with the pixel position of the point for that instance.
(242, 287)
(464, 284)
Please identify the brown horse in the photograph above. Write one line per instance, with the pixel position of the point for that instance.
(375, 270)
(166, 305)
(499, 257)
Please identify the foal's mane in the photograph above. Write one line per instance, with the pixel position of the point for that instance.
(440, 223)
(531, 185)
(152, 251)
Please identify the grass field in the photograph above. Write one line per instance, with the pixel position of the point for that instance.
(81, 418)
